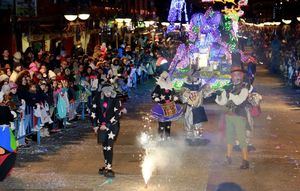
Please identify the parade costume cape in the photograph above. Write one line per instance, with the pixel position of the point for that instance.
(8, 143)
(166, 96)
(158, 113)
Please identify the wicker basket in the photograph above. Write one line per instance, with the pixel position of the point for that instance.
(169, 109)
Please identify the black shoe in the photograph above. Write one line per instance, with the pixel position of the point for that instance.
(237, 148)
(102, 171)
(189, 141)
(245, 165)
(251, 148)
(201, 141)
(109, 174)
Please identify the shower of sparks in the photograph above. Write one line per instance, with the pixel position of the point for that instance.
(148, 144)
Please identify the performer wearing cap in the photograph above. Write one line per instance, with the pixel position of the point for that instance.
(195, 116)
(234, 98)
(165, 110)
(105, 114)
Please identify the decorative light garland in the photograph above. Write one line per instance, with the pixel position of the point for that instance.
(175, 13)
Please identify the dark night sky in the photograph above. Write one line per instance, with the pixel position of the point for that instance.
(286, 9)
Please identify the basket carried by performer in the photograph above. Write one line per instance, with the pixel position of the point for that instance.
(169, 109)
(166, 112)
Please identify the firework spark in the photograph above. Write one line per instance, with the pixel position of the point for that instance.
(147, 168)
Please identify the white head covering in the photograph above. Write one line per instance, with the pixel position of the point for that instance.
(164, 81)
(108, 88)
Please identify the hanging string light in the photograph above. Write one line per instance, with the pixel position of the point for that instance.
(176, 9)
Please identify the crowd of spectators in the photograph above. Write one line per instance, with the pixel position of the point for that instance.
(276, 47)
(49, 91)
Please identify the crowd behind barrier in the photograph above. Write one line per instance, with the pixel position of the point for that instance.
(278, 49)
(48, 92)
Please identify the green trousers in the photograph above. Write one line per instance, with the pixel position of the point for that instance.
(236, 130)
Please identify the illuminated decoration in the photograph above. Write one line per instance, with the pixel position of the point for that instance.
(231, 27)
(203, 32)
(277, 23)
(212, 37)
(234, 13)
(205, 24)
(225, 1)
(298, 19)
(165, 24)
(186, 25)
(219, 84)
(123, 22)
(180, 60)
(176, 9)
(259, 25)
(243, 3)
(201, 59)
(149, 23)
(171, 28)
(286, 21)
(240, 3)
(177, 84)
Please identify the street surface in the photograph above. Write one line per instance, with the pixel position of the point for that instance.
(70, 160)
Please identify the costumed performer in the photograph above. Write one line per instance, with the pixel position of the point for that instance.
(165, 110)
(234, 98)
(194, 91)
(105, 114)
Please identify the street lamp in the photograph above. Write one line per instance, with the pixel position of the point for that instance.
(71, 18)
(84, 16)
(77, 25)
(286, 21)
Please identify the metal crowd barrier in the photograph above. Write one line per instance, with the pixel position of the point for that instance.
(29, 129)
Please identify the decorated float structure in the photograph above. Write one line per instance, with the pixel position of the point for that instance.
(212, 38)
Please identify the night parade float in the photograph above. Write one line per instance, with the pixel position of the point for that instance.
(211, 39)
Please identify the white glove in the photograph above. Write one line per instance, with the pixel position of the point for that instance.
(175, 98)
(13, 113)
(124, 110)
(157, 99)
(95, 129)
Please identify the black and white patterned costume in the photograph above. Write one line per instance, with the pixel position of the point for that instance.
(163, 94)
(106, 111)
